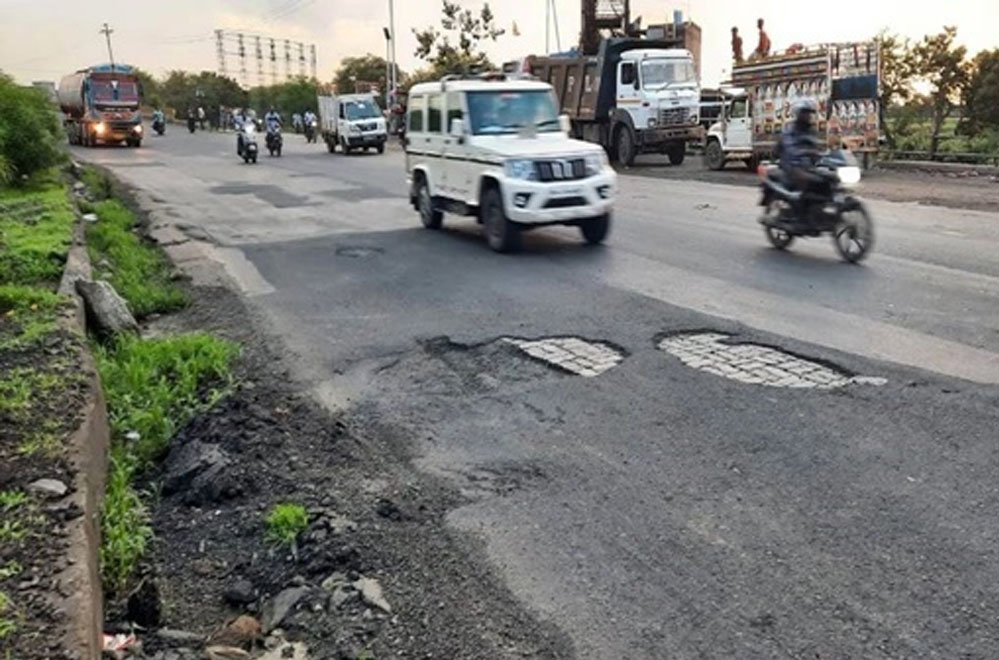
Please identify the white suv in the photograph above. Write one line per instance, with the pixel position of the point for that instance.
(498, 150)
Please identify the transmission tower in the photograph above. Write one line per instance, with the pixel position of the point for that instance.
(287, 59)
(242, 58)
(220, 52)
(260, 62)
(313, 62)
(301, 59)
(274, 71)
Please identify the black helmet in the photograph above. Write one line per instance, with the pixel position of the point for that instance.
(804, 112)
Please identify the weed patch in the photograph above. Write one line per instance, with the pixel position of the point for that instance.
(36, 228)
(137, 270)
(126, 531)
(285, 522)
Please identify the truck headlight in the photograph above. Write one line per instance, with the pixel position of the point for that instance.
(595, 163)
(138, 128)
(519, 169)
(100, 128)
(353, 129)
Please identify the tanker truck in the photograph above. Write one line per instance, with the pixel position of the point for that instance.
(101, 105)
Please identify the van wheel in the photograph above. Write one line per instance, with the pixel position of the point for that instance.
(624, 146)
(381, 148)
(714, 157)
(331, 146)
(429, 216)
(595, 230)
(501, 234)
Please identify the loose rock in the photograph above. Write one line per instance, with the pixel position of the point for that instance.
(371, 593)
(179, 637)
(107, 312)
(276, 610)
(341, 596)
(242, 631)
(52, 488)
(240, 592)
(199, 470)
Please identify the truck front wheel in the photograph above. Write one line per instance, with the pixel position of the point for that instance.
(624, 146)
(714, 157)
(676, 153)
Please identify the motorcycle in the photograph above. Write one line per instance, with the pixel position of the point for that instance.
(159, 126)
(827, 208)
(274, 141)
(246, 143)
(310, 131)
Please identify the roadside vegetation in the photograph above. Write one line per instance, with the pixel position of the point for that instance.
(285, 522)
(30, 134)
(152, 386)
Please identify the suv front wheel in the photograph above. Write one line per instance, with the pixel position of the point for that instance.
(595, 230)
(430, 217)
(501, 234)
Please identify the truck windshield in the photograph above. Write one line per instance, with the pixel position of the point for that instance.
(660, 73)
(108, 91)
(509, 111)
(360, 110)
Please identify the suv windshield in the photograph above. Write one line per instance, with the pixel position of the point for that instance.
(360, 110)
(661, 73)
(509, 111)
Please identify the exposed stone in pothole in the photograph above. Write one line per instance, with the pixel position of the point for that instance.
(572, 354)
(753, 364)
(358, 251)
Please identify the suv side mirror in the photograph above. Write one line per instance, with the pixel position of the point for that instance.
(565, 124)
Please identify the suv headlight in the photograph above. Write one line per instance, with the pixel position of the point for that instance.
(520, 169)
(595, 163)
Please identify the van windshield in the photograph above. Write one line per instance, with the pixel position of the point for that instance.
(360, 110)
(661, 73)
(509, 111)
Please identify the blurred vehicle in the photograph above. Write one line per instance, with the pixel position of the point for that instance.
(826, 208)
(101, 105)
(246, 141)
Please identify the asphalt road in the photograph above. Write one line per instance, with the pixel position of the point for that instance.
(655, 511)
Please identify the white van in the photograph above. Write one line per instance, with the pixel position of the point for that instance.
(352, 121)
(497, 150)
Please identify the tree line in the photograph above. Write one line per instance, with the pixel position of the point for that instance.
(936, 97)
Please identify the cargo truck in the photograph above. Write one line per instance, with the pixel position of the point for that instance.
(101, 105)
(842, 79)
(635, 96)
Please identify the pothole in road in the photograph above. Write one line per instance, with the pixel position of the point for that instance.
(358, 251)
(572, 354)
(753, 364)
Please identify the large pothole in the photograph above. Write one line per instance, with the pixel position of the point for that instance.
(572, 354)
(753, 364)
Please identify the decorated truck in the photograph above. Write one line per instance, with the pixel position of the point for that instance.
(842, 79)
(101, 104)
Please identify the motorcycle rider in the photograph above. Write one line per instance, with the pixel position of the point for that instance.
(296, 122)
(159, 119)
(239, 121)
(310, 119)
(799, 151)
(272, 120)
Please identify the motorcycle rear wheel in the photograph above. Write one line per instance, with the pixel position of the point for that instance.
(778, 236)
(854, 235)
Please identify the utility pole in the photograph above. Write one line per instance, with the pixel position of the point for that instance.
(548, 25)
(106, 31)
(394, 72)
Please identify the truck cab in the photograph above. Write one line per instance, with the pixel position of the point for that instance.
(731, 137)
(352, 121)
(658, 96)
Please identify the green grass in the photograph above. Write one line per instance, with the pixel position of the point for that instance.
(46, 441)
(125, 530)
(24, 388)
(12, 499)
(7, 624)
(138, 270)
(285, 522)
(152, 387)
(99, 185)
(155, 386)
(10, 569)
(36, 228)
(31, 312)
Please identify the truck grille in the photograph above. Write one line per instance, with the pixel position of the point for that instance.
(675, 117)
(560, 170)
(368, 127)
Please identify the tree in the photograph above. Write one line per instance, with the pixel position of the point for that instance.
(181, 90)
(456, 46)
(368, 68)
(981, 95)
(297, 95)
(897, 73)
(942, 65)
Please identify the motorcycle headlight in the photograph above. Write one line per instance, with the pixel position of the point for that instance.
(248, 129)
(595, 163)
(848, 176)
(519, 169)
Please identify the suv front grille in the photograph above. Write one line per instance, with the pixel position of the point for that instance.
(674, 116)
(560, 170)
(565, 202)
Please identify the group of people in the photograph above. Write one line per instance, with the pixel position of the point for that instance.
(300, 120)
(763, 47)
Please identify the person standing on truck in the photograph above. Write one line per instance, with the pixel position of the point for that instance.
(763, 47)
(737, 46)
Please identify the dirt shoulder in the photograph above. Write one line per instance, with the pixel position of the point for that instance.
(959, 190)
(371, 517)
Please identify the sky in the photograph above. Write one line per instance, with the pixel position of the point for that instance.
(45, 39)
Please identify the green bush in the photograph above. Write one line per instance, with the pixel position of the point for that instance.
(30, 135)
(285, 522)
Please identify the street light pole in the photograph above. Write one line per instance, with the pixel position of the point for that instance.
(388, 69)
(392, 43)
(106, 31)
